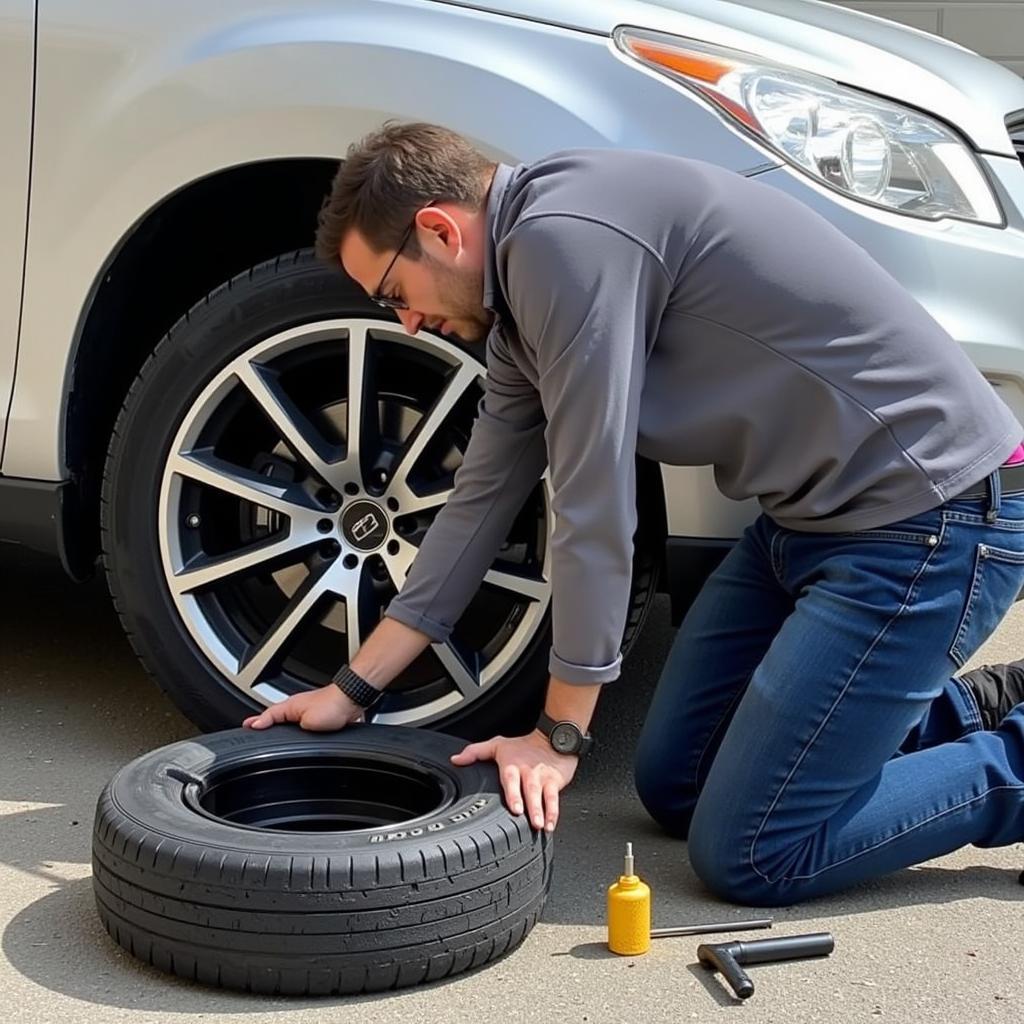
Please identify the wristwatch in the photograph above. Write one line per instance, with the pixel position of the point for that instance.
(356, 688)
(565, 737)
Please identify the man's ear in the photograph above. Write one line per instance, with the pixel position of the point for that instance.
(442, 227)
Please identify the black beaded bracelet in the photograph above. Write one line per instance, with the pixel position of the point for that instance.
(356, 688)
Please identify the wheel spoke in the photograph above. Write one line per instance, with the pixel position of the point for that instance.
(360, 434)
(433, 420)
(525, 586)
(409, 502)
(466, 680)
(295, 428)
(398, 565)
(204, 571)
(353, 629)
(206, 468)
(356, 383)
(354, 591)
(255, 660)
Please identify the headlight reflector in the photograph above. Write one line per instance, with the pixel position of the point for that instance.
(870, 149)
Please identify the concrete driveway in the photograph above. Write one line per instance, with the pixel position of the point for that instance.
(941, 942)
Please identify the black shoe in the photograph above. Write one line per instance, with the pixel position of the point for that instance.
(997, 689)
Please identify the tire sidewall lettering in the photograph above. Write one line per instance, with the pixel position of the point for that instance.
(386, 836)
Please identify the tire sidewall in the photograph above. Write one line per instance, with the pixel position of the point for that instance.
(149, 790)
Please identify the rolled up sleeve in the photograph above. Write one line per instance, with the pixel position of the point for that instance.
(502, 463)
(586, 299)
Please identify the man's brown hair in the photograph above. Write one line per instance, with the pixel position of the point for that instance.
(389, 175)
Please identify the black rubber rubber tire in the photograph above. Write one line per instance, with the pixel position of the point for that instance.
(291, 290)
(307, 913)
(272, 297)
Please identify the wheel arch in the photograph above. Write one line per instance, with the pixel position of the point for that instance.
(179, 251)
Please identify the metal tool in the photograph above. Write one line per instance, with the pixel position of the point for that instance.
(727, 956)
(708, 929)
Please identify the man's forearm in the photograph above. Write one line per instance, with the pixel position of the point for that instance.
(387, 650)
(570, 702)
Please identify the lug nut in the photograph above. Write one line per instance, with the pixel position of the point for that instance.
(350, 561)
(351, 488)
(325, 525)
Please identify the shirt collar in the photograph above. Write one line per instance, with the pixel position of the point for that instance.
(495, 197)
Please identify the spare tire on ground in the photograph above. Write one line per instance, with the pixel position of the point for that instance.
(294, 863)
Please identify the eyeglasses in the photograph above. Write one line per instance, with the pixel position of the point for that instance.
(385, 301)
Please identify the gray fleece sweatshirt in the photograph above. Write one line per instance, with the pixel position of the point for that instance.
(649, 303)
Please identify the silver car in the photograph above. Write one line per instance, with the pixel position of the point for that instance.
(188, 396)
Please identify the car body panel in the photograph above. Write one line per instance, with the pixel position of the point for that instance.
(143, 100)
(849, 46)
(176, 96)
(16, 21)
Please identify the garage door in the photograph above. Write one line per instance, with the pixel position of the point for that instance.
(994, 28)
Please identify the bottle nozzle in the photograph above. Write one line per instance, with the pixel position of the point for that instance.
(629, 859)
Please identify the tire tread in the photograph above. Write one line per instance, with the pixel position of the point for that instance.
(302, 924)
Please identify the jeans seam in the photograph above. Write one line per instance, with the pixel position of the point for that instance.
(911, 590)
(895, 835)
(885, 535)
(973, 711)
(965, 619)
(978, 519)
(711, 735)
(984, 554)
(776, 557)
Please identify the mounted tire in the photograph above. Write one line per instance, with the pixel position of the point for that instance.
(275, 421)
(294, 863)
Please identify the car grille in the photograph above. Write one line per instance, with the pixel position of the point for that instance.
(1015, 126)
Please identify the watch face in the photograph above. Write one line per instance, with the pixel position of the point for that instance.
(565, 738)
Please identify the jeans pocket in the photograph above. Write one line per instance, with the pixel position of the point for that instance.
(995, 584)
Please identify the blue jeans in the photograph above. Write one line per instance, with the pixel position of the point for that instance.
(807, 734)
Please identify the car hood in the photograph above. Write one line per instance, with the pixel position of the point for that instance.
(860, 50)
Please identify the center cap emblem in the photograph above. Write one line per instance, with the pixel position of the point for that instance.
(364, 525)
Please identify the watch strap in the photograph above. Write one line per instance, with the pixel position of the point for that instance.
(355, 687)
(546, 724)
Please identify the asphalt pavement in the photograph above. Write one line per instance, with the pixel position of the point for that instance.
(940, 942)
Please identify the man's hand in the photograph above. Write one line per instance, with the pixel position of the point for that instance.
(320, 710)
(529, 768)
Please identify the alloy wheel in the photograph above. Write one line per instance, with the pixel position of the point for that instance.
(293, 500)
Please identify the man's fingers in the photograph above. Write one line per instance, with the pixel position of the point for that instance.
(260, 721)
(282, 712)
(510, 783)
(475, 752)
(551, 805)
(530, 784)
(532, 792)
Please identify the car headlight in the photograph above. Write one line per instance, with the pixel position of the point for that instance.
(870, 149)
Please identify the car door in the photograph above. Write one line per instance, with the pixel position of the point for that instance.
(16, 64)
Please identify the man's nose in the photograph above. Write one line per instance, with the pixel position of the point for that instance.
(411, 321)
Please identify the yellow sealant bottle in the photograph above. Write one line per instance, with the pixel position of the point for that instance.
(629, 912)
